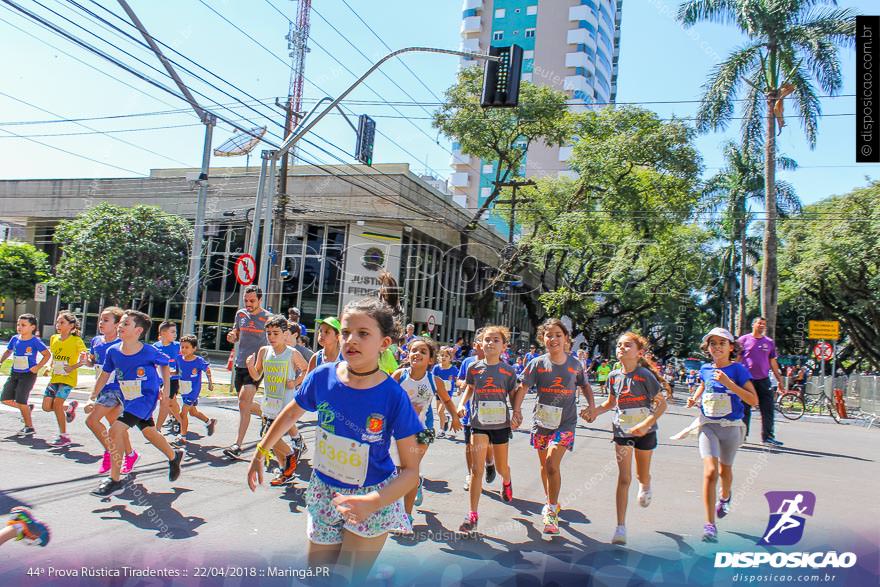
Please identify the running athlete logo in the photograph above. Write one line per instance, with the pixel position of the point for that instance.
(786, 524)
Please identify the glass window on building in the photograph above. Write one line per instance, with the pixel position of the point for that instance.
(500, 13)
(532, 10)
(530, 33)
(498, 35)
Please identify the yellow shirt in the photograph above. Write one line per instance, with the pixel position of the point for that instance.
(65, 352)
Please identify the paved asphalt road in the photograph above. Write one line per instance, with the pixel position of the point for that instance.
(208, 518)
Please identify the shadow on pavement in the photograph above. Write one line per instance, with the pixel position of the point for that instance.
(683, 547)
(78, 456)
(158, 516)
(800, 452)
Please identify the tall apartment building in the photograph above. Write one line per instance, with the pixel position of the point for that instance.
(570, 45)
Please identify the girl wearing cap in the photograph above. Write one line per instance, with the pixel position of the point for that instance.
(328, 340)
(724, 389)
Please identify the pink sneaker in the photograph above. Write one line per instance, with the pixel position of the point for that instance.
(105, 464)
(129, 461)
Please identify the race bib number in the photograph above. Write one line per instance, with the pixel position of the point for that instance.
(172, 364)
(131, 388)
(185, 387)
(344, 459)
(20, 363)
(716, 405)
(58, 368)
(630, 417)
(548, 417)
(490, 413)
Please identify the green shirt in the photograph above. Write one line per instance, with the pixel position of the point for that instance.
(603, 371)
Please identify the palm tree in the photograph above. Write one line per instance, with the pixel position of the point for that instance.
(792, 44)
(742, 181)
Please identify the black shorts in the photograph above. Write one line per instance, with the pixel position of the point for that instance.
(646, 442)
(242, 378)
(131, 420)
(18, 387)
(500, 436)
(467, 434)
(173, 388)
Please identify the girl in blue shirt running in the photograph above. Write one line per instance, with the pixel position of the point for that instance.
(354, 495)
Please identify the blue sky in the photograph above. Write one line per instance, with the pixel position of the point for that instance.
(659, 62)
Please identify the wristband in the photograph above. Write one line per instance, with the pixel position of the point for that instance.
(266, 454)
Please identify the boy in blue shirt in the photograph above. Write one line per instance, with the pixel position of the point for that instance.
(135, 365)
(191, 367)
(24, 348)
(169, 346)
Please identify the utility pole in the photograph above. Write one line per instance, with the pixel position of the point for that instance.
(512, 201)
(209, 120)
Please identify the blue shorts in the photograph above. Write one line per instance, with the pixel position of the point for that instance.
(190, 399)
(109, 398)
(58, 390)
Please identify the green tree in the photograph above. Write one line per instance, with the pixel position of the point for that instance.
(122, 254)
(730, 191)
(613, 248)
(830, 269)
(22, 266)
(792, 45)
(502, 135)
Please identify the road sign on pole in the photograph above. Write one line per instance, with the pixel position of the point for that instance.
(40, 292)
(824, 330)
(245, 269)
(823, 351)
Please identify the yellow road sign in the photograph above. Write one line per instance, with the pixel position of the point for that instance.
(824, 330)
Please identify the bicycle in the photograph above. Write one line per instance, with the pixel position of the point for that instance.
(794, 404)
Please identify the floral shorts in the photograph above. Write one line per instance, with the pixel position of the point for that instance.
(325, 523)
(543, 441)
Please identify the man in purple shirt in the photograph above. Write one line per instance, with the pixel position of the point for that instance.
(759, 356)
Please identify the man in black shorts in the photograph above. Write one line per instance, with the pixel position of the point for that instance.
(249, 331)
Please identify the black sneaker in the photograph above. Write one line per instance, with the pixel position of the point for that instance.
(233, 452)
(25, 432)
(174, 465)
(175, 427)
(210, 426)
(109, 487)
(490, 473)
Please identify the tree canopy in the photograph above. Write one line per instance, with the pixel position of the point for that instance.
(22, 266)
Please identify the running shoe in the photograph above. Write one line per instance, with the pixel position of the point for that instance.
(419, 495)
(129, 461)
(25, 432)
(507, 492)
(773, 442)
(645, 496)
(490, 473)
(233, 452)
(299, 445)
(551, 522)
(106, 463)
(60, 440)
(441, 434)
(209, 426)
(175, 427)
(469, 526)
(408, 531)
(178, 440)
(70, 412)
(174, 466)
(286, 475)
(467, 482)
(710, 533)
(619, 535)
(109, 487)
(33, 530)
(722, 508)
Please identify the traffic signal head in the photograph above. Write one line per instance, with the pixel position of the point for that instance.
(363, 150)
(501, 78)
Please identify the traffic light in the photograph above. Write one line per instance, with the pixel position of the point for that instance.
(363, 150)
(501, 78)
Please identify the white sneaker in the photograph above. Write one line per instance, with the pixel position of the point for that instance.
(467, 482)
(619, 535)
(645, 496)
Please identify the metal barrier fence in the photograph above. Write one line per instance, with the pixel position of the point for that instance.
(861, 392)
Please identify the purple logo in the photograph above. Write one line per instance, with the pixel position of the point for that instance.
(787, 511)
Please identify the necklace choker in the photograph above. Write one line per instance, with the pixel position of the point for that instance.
(357, 374)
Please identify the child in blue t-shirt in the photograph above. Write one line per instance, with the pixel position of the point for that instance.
(191, 366)
(724, 389)
(354, 495)
(24, 348)
(447, 372)
(169, 346)
(135, 365)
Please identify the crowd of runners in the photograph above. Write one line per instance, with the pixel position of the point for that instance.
(381, 398)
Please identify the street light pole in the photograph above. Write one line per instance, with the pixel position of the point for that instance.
(512, 201)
